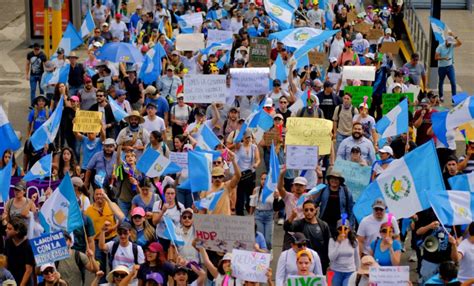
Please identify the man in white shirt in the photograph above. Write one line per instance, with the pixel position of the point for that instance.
(316, 15)
(153, 122)
(118, 27)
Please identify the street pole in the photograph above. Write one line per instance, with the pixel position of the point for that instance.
(46, 35)
(433, 75)
(57, 26)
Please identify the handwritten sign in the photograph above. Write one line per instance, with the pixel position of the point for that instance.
(214, 36)
(301, 157)
(215, 234)
(49, 248)
(374, 34)
(389, 47)
(180, 159)
(259, 53)
(270, 137)
(204, 88)
(250, 266)
(317, 58)
(249, 81)
(190, 42)
(389, 275)
(309, 132)
(357, 177)
(358, 93)
(358, 72)
(317, 280)
(352, 16)
(390, 100)
(87, 121)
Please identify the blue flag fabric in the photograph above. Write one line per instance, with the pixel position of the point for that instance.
(9, 140)
(313, 43)
(201, 165)
(88, 24)
(453, 207)
(41, 169)
(463, 182)
(71, 39)
(119, 112)
(395, 122)
(280, 12)
(170, 232)
(438, 27)
(151, 68)
(210, 202)
(185, 27)
(271, 182)
(153, 164)
(46, 133)
(5, 179)
(59, 75)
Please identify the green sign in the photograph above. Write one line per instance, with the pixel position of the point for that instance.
(358, 93)
(390, 100)
(259, 52)
(317, 280)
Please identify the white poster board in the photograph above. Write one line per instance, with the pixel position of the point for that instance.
(194, 19)
(189, 42)
(358, 72)
(301, 157)
(249, 81)
(389, 275)
(199, 88)
(180, 159)
(215, 36)
(250, 265)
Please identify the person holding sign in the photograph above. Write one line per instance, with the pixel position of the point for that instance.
(303, 262)
(386, 250)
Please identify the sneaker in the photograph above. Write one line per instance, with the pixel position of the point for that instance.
(280, 221)
(413, 258)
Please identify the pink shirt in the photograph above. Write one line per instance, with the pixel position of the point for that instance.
(290, 203)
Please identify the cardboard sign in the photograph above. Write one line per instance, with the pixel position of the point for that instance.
(374, 34)
(301, 157)
(389, 275)
(249, 81)
(214, 36)
(309, 132)
(352, 16)
(317, 280)
(189, 42)
(199, 88)
(358, 93)
(392, 48)
(362, 27)
(317, 58)
(270, 137)
(358, 72)
(87, 121)
(180, 159)
(390, 100)
(250, 266)
(259, 52)
(49, 248)
(215, 233)
(357, 176)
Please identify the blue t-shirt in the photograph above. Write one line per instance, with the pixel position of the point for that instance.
(137, 200)
(39, 120)
(445, 52)
(383, 257)
(161, 105)
(89, 148)
(260, 240)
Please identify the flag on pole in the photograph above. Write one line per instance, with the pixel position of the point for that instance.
(281, 12)
(210, 201)
(260, 121)
(463, 182)
(170, 232)
(312, 192)
(279, 69)
(184, 26)
(271, 181)
(214, 47)
(8, 140)
(216, 14)
(88, 25)
(153, 164)
(453, 207)
(41, 169)
(395, 122)
(296, 37)
(47, 132)
(224, 60)
(5, 179)
(207, 139)
(313, 42)
(117, 110)
(438, 27)
(71, 40)
(59, 75)
(151, 68)
(200, 166)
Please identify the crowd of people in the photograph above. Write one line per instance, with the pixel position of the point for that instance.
(124, 241)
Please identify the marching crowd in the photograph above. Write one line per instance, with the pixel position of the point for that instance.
(124, 239)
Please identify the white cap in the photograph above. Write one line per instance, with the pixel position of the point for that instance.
(268, 102)
(386, 149)
(47, 265)
(332, 59)
(300, 181)
(388, 31)
(139, 7)
(97, 44)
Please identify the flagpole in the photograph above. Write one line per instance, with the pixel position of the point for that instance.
(440, 222)
(51, 171)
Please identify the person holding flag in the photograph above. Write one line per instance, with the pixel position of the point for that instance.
(445, 57)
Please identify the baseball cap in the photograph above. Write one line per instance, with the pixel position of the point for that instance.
(388, 31)
(188, 210)
(109, 141)
(125, 225)
(217, 171)
(46, 266)
(268, 102)
(328, 84)
(379, 203)
(298, 237)
(76, 181)
(276, 82)
(138, 211)
(332, 59)
(87, 79)
(386, 149)
(155, 247)
(152, 104)
(300, 181)
(370, 56)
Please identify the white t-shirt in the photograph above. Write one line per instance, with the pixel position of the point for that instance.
(466, 264)
(118, 29)
(173, 213)
(368, 124)
(191, 64)
(124, 256)
(369, 228)
(157, 124)
(98, 13)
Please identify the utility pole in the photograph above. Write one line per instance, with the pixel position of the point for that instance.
(433, 74)
(46, 26)
(57, 26)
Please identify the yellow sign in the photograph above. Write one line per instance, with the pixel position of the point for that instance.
(468, 129)
(87, 121)
(309, 132)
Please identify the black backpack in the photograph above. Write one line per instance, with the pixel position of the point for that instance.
(303, 110)
(114, 251)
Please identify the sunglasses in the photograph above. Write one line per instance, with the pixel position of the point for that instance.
(283, 102)
(48, 271)
(136, 216)
(187, 217)
(379, 209)
(118, 275)
(99, 95)
(383, 230)
(301, 245)
(122, 232)
(278, 119)
(309, 210)
(218, 177)
(180, 98)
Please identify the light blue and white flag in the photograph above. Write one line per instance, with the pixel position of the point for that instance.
(99, 178)
(119, 112)
(170, 232)
(453, 207)
(296, 37)
(302, 62)
(88, 24)
(312, 192)
(201, 165)
(214, 47)
(313, 42)
(217, 14)
(279, 70)
(5, 179)
(151, 68)
(271, 181)
(71, 40)
(210, 201)
(259, 121)
(460, 97)
(46, 133)
(463, 182)
(445, 121)
(207, 139)
(404, 185)
(9, 140)
(301, 101)
(161, 28)
(41, 169)
(61, 210)
(281, 12)
(438, 28)
(153, 164)
(224, 60)
(329, 16)
(90, 72)
(185, 27)
(395, 122)
(59, 75)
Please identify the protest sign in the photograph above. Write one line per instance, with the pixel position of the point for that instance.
(250, 265)
(415, 89)
(389, 47)
(180, 159)
(215, 36)
(270, 137)
(374, 34)
(49, 248)
(362, 27)
(194, 19)
(190, 42)
(357, 176)
(317, 280)
(301, 157)
(317, 58)
(87, 121)
(358, 93)
(358, 72)
(389, 275)
(259, 53)
(201, 88)
(390, 100)
(309, 132)
(352, 16)
(249, 81)
(215, 234)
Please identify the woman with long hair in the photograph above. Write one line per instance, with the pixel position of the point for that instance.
(8, 155)
(155, 262)
(385, 249)
(158, 144)
(66, 162)
(146, 198)
(142, 232)
(82, 195)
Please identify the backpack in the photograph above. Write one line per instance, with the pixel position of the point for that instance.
(80, 265)
(190, 110)
(114, 251)
(303, 110)
(339, 113)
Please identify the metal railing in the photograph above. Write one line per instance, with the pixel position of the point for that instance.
(419, 37)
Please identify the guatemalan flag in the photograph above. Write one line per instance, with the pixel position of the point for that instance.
(312, 192)
(224, 60)
(170, 232)
(153, 164)
(185, 27)
(449, 120)
(463, 182)
(61, 210)
(301, 101)
(279, 69)
(395, 122)
(207, 139)
(201, 165)
(260, 121)
(71, 39)
(5, 179)
(210, 201)
(59, 75)
(41, 169)
(453, 207)
(88, 24)
(296, 37)
(151, 67)
(280, 12)
(313, 42)
(438, 29)
(271, 182)
(217, 14)
(405, 184)
(117, 110)
(46, 133)
(9, 140)
(214, 47)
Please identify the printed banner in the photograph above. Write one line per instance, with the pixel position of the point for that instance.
(250, 266)
(358, 72)
(301, 157)
(200, 88)
(87, 121)
(389, 275)
(309, 132)
(357, 176)
(259, 53)
(49, 248)
(317, 280)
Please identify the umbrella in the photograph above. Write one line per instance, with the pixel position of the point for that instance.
(119, 52)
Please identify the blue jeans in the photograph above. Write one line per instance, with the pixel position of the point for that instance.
(341, 278)
(35, 81)
(264, 222)
(442, 73)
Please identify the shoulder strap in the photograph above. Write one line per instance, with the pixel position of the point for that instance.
(302, 111)
(353, 111)
(135, 252)
(358, 278)
(80, 265)
(114, 250)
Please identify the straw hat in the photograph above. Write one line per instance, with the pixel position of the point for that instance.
(136, 114)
